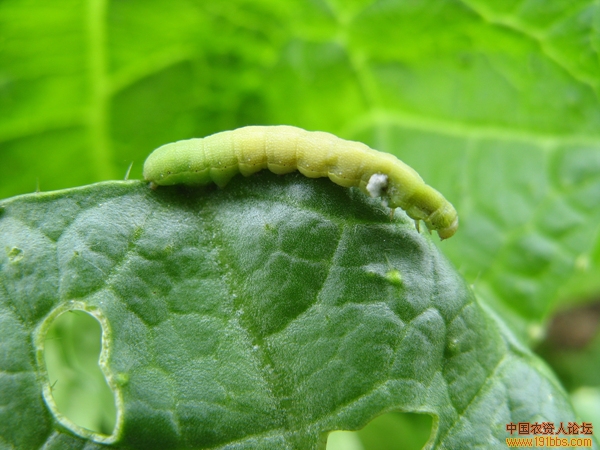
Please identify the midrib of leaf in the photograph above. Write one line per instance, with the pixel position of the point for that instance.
(98, 112)
(465, 130)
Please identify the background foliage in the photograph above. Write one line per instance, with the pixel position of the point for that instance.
(496, 104)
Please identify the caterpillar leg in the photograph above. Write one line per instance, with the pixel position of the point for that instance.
(429, 228)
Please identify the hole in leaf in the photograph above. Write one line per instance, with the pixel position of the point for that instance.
(79, 389)
(391, 431)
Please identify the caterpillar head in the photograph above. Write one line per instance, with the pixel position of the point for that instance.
(444, 220)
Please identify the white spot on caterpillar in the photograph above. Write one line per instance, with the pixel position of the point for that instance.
(377, 184)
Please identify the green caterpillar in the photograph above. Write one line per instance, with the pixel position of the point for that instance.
(284, 149)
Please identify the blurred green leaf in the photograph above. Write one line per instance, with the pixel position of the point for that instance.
(495, 104)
